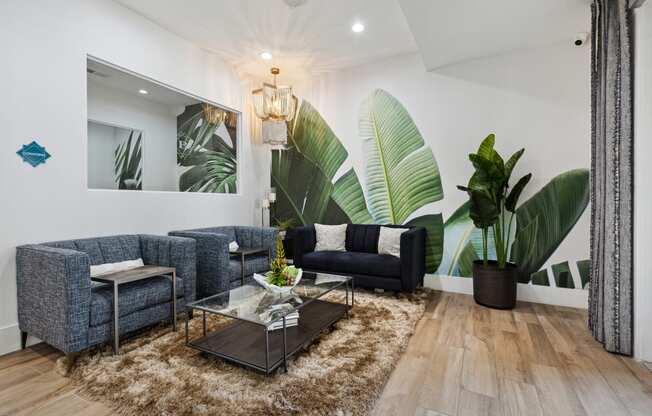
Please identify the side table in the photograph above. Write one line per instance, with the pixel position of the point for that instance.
(140, 273)
(242, 252)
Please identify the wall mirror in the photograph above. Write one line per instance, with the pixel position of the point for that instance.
(144, 136)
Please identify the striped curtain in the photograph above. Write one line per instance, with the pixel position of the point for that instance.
(611, 288)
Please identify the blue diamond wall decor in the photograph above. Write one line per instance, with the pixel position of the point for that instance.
(33, 153)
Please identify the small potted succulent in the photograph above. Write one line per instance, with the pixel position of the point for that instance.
(492, 207)
(281, 278)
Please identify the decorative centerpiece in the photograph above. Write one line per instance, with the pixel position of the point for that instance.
(281, 278)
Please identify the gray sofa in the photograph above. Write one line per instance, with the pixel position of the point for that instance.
(217, 271)
(58, 303)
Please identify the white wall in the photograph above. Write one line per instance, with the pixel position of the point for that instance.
(102, 142)
(44, 45)
(538, 99)
(157, 121)
(643, 184)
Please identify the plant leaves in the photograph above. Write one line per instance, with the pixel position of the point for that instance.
(349, 196)
(401, 174)
(515, 194)
(543, 221)
(434, 225)
(303, 174)
(563, 275)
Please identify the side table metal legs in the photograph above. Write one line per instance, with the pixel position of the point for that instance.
(116, 318)
(174, 301)
(242, 267)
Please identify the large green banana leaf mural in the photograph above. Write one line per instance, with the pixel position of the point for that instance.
(404, 172)
(303, 176)
(542, 223)
(401, 177)
(401, 172)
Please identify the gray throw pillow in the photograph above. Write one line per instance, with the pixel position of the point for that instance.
(389, 241)
(330, 237)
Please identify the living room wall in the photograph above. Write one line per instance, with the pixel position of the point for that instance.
(536, 99)
(43, 84)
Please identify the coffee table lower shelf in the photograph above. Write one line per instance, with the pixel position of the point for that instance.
(244, 343)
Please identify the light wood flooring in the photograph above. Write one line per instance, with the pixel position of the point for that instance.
(462, 360)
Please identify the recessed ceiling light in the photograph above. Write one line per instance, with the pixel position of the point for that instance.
(144, 92)
(357, 27)
(266, 56)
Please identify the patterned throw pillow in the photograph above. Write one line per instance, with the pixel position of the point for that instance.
(389, 241)
(330, 237)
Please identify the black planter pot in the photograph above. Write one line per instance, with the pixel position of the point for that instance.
(494, 287)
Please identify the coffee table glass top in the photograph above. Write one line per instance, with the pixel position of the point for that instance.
(251, 302)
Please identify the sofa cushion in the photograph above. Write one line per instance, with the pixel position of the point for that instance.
(330, 237)
(362, 238)
(253, 264)
(102, 250)
(132, 297)
(354, 263)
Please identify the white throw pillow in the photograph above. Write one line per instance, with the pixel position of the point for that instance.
(233, 246)
(389, 241)
(106, 268)
(330, 237)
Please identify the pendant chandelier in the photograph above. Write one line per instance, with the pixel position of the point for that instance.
(275, 105)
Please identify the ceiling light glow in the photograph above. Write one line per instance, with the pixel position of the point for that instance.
(143, 92)
(266, 56)
(357, 27)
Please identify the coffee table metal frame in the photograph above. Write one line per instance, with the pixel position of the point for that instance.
(270, 367)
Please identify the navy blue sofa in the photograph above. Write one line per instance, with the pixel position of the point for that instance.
(59, 304)
(361, 259)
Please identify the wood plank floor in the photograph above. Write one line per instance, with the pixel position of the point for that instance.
(540, 360)
(462, 360)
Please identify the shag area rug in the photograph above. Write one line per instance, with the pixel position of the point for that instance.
(342, 373)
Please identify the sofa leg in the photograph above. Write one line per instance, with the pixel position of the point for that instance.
(71, 359)
(23, 340)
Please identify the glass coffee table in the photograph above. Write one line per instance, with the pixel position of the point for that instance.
(248, 339)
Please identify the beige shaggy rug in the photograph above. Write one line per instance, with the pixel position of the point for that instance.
(342, 373)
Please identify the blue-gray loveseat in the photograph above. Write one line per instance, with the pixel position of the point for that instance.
(217, 270)
(58, 303)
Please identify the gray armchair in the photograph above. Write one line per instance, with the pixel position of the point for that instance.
(217, 271)
(58, 303)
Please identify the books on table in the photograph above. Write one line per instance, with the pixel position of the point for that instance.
(274, 315)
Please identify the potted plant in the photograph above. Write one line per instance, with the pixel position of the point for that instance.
(281, 278)
(492, 207)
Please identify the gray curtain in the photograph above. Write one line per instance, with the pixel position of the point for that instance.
(610, 292)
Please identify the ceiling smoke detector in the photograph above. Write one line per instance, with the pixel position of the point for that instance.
(295, 3)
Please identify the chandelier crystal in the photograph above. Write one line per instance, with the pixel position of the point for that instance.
(275, 105)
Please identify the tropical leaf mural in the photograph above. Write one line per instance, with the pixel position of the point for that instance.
(207, 147)
(128, 163)
(303, 176)
(542, 223)
(401, 172)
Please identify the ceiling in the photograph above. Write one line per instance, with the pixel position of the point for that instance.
(454, 31)
(311, 38)
(316, 36)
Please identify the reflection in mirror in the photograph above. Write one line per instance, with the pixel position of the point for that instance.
(145, 136)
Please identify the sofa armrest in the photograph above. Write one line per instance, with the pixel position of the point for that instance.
(212, 251)
(249, 236)
(177, 252)
(54, 294)
(413, 258)
(304, 242)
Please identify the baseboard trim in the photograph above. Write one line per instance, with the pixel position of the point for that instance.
(575, 298)
(10, 339)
